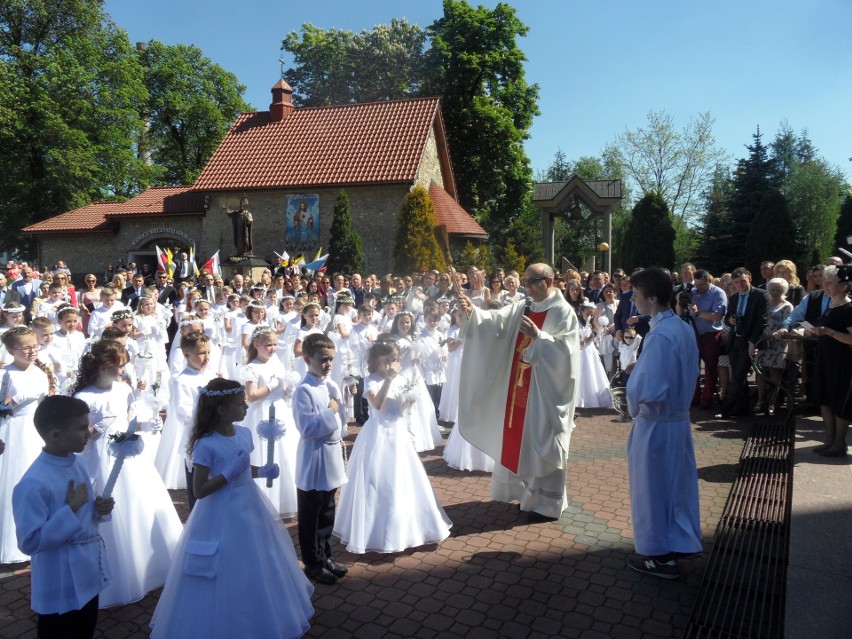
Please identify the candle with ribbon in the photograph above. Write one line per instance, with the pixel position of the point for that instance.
(121, 446)
(271, 430)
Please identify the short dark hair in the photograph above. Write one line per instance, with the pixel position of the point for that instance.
(702, 274)
(316, 342)
(53, 413)
(653, 282)
(739, 272)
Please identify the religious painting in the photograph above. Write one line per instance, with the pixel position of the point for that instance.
(303, 222)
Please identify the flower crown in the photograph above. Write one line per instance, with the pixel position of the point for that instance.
(191, 321)
(124, 313)
(14, 309)
(221, 393)
(260, 331)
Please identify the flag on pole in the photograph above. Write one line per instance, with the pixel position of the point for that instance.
(192, 263)
(162, 260)
(283, 258)
(318, 254)
(317, 265)
(170, 267)
(212, 265)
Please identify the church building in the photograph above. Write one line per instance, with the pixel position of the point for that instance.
(271, 186)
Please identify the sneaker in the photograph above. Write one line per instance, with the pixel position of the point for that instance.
(664, 569)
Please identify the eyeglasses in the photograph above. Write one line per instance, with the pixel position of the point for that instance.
(532, 280)
(28, 349)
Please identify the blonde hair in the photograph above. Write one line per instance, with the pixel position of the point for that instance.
(790, 266)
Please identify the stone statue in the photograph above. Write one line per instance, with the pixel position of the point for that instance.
(241, 220)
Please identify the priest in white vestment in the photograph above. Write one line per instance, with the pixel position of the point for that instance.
(518, 390)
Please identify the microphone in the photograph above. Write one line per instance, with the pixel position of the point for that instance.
(527, 306)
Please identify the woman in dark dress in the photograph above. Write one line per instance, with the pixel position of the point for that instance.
(834, 360)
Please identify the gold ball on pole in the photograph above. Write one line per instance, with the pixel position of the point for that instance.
(603, 247)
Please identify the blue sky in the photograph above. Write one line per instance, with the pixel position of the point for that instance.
(601, 65)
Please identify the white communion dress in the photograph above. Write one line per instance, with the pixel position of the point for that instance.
(594, 385)
(388, 504)
(144, 528)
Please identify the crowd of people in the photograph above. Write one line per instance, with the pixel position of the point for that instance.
(259, 380)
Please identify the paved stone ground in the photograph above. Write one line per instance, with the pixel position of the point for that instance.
(497, 575)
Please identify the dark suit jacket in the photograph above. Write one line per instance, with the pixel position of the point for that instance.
(167, 295)
(754, 321)
(130, 298)
(18, 289)
(9, 295)
(203, 291)
(622, 314)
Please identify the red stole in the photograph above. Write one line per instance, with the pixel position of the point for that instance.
(516, 399)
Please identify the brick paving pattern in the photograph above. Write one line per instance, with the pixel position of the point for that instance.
(497, 575)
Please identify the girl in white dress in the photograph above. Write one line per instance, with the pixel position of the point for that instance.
(458, 453)
(144, 528)
(70, 345)
(388, 504)
(310, 324)
(594, 385)
(233, 320)
(26, 381)
(151, 334)
(236, 572)
(269, 385)
(424, 424)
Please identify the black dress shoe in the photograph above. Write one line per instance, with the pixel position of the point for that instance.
(320, 574)
(537, 518)
(335, 568)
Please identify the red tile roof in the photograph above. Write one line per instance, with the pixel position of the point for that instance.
(91, 217)
(163, 200)
(451, 213)
(373, 143)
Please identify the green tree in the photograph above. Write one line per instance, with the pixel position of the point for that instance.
(416, 247)
(525, 234)
(71, 91)
(773, 234)
(338, 67)
(814, 191)
(477, 68)
(753, 178)
(650, 219)
(345, 254)
(513, 260)
(473, 255)
(191, 105)
(844, 225)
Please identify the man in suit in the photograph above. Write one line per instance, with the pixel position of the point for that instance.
(746, 314)
(208, 290)
(687, 281)
(130, 295)
(595, 291)
(238, 285)
(183, 267)
(26, 288)
(626, 313)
